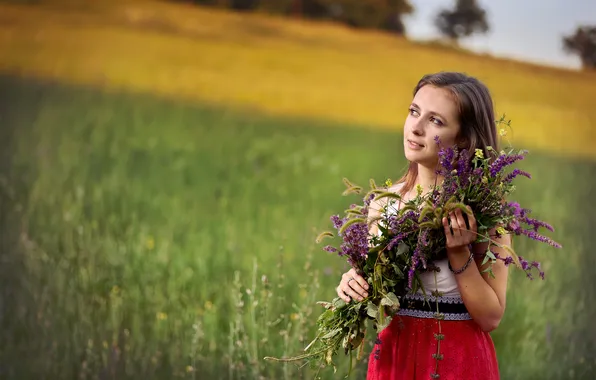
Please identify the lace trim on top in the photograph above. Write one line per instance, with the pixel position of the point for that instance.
(431, 298)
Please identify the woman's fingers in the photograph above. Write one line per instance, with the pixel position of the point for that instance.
(455, 224)
(361, 286)
(352, 285)
(355, 289)
(457, 231)
(472, 220)
(448, 233)
(341, 294)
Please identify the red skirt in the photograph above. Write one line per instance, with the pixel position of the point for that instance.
(404, 351)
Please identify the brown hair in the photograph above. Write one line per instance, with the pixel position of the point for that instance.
(476, 116)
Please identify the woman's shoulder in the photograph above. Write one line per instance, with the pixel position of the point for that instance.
(396, 187)
(379, 204)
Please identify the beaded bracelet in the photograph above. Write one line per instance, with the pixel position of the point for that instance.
(464, 267)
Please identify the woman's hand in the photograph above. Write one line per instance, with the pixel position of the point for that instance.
(458, 234)
(352, 285)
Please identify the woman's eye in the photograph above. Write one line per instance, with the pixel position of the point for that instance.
(436, 121)
(413, 112)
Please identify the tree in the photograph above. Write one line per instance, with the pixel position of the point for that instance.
(582, 43)
(381, 14)
(465, 19)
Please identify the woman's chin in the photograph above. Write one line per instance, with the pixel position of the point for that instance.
(420, 160)
(412, 157)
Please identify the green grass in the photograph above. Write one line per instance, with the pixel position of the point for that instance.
(142, 236)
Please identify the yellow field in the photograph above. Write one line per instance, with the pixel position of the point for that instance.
(280, 66)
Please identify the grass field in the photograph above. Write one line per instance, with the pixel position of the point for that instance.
(165, 170)
(133, 215)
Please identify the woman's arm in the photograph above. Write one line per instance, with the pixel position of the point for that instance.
(484, 297)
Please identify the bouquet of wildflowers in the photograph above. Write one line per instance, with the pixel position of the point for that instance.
(412, 236)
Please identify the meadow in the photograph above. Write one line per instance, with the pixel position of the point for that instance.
(160, 205)
(159, 239)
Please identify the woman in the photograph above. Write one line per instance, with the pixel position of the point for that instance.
(459, 110)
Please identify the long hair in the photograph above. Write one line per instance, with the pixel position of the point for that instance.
(476, 116)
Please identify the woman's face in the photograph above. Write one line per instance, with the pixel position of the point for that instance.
(433, 112)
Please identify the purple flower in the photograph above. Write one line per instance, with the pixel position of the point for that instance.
(369, 199)
(330, 249)
(463, 168)
(415, 260)
(502, 161)
(527, 267)
(536, 236)
(337, 222)
(515, 173)
(395, 241)
(355, 243)
(446, 159)
(536, 224)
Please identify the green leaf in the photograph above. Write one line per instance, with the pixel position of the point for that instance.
(326, 305)
(339, 303)
(331, 333)
(386, 322)
(402, 248)
(490, 254)
(398, 271)
(390, 300)
(372, 310)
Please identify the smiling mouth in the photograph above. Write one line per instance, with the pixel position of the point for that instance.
(415, 143)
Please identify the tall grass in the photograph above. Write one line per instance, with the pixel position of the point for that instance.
(144, 238)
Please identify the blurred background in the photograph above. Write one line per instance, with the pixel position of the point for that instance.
(165, 167)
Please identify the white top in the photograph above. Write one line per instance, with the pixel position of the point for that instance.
(446, 283)
(445, 279)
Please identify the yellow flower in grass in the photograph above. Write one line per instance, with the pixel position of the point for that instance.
(479, 153)
(161, 316)
(501, 231)
(150, 243)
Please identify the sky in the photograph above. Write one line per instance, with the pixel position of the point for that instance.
(529, 30)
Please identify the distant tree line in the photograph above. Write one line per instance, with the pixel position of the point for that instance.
(463, 19)
(370, 14)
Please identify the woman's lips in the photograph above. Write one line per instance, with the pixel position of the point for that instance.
(415, 145)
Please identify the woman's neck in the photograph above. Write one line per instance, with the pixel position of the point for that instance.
(427, 178)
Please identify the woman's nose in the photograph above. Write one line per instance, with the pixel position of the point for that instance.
(418, 128)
